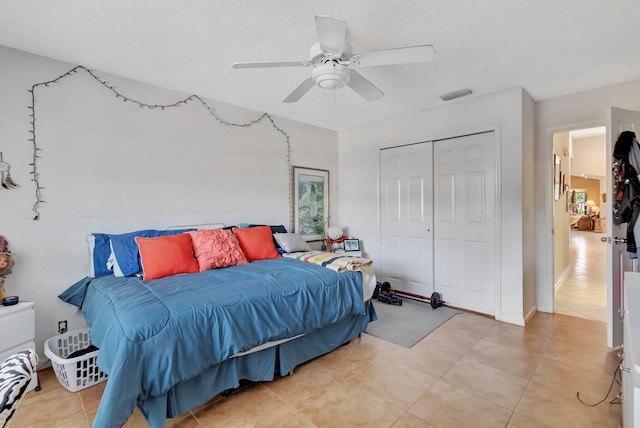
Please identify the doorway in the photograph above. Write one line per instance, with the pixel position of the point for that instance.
(579, 255)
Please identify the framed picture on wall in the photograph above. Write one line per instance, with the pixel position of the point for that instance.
(557, 185)
(310, 202)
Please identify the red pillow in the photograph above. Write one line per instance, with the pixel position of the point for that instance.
(257, 243)
(166, 255)
(217, 248)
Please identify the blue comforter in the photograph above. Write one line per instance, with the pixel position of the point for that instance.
(155, 334)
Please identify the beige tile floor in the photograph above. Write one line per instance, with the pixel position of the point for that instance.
(583, 291)
(471, 372)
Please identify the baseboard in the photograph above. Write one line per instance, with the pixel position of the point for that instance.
(530, 315)
(545, 309)
(512, 320)
(561, 278)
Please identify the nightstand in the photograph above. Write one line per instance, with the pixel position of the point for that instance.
(351, 253)
(18, 326)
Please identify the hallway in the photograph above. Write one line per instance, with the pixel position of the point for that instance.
(583, 291)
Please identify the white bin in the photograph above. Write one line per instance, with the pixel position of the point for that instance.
(74, 373)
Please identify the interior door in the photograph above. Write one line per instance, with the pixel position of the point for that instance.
(618, 261)
(406, 214)
(465, 221)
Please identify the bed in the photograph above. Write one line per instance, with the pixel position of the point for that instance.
(172, 343)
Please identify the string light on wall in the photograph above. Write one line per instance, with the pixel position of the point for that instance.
(192, 98)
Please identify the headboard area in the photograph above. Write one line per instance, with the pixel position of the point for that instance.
(198, 226)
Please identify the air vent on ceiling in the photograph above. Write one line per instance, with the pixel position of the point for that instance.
(457, 94)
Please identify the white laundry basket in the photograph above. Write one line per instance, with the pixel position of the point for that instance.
(74, 373)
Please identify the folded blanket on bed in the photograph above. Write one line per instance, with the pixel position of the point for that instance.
(342, 263)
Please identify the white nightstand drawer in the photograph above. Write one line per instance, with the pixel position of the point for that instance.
(18, 325)
(9, 352)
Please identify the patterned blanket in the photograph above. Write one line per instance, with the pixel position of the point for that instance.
(341, 263)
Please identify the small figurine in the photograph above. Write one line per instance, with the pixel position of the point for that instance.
(6, 263)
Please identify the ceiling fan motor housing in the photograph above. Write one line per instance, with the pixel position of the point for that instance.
(331, 75)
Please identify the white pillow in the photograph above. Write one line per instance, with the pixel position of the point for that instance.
(291, 242)
(112, 263)
(99, 249)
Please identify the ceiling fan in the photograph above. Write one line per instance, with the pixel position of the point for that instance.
(333, 61)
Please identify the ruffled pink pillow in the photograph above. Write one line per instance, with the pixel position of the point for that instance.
(216, 248)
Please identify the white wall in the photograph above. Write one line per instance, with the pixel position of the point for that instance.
(589, 156)
(502, 111)
(585, 109)
(110, 166)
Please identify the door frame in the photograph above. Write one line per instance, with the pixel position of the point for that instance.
(546, 296)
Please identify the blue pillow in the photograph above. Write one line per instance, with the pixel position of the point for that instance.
(99, 252)
(125, 250)
(74, 295)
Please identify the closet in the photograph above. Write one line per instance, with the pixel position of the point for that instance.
(438, 220)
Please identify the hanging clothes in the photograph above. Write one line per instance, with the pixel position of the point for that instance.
(626, 201)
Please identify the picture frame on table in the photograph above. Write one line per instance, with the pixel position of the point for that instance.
(310, 195)
(351, 245)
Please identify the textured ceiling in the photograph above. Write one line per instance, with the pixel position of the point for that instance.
(549, 47)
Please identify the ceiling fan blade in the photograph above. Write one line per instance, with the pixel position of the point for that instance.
(363, 87)
(331, 33)
(407, 55)
(298, 92)
(271, 64)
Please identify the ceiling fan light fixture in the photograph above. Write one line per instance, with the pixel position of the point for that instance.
(456, 94)
(331, 75)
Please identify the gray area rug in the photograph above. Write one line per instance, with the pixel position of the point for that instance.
(406, 325)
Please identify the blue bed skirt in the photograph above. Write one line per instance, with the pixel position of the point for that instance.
(259, 366)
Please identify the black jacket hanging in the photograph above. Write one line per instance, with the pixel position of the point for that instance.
(626, 200)
(623, 146)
